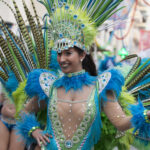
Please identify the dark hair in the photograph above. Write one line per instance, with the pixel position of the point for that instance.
(88, 63)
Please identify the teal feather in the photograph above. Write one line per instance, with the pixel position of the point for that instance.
(12, 83)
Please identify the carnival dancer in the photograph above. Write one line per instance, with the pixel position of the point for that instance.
(8, 138)
(75, 100)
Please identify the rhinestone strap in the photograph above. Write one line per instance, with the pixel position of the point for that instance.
(75, 73)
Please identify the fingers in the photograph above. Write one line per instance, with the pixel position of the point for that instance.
(38, 141)
(43, 139)
(48, 135)
(46, 138)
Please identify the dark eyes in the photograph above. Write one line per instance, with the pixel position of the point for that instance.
(67, 53)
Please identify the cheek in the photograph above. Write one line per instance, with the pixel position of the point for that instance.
(75, 58)
(58, 59)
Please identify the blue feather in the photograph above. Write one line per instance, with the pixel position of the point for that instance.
(138, 121)
(54, 65)
(24, 125)
(104, 64)
(75, 82)
(12, 83)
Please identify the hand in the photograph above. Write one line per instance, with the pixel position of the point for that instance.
(40, 137)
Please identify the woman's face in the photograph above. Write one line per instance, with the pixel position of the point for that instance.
(70, 60)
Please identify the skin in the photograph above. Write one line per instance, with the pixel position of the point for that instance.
(70, 61)
(8, 139)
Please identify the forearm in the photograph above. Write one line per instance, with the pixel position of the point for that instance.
(139, 119)
(117, 116)
(123, 124)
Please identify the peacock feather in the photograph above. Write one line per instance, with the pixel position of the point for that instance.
(136, 64)
(20, 46)
(39, 27)
(5, 47)
(139, 77)
(24, 32)
(3, 75)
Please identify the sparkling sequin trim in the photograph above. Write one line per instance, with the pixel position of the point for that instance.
(103, 80)
(46, 80)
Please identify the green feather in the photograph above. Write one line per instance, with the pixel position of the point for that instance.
(19, 97)
(16, 62)
(46, 44)
(24, 31)
(136, 72)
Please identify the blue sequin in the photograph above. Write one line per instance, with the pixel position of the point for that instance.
(67, 7)
(53, 9)
(68, 144)
(75, 16)
(60, 35)
(75, 42)
(82, 26)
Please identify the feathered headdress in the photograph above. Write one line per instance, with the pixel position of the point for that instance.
(75, 22)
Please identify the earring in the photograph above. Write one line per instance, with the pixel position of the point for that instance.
(81, 60)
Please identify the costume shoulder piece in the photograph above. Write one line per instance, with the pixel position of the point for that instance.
(110, 80)
(46, 80)
(39, 83)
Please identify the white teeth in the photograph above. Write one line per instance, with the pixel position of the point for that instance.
(64, 65)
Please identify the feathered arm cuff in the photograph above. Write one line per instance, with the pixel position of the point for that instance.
(110, 80)
(140, 121)
(25, 126)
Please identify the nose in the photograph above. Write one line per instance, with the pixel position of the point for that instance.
(62, 58)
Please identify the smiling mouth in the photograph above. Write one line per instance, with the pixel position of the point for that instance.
(64, 66)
